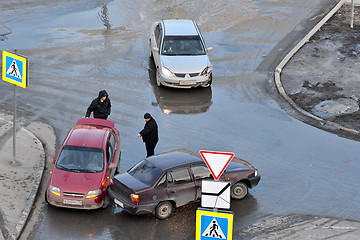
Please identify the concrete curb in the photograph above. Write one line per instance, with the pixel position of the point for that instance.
(287, 58)
(29, 204)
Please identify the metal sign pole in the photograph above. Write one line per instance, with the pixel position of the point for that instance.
(352, 14)
(14, 129)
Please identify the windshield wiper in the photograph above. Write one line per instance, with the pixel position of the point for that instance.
(62, 167)
(81, 170)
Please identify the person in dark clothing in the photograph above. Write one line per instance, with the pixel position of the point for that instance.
(100, 106)
(149, 134)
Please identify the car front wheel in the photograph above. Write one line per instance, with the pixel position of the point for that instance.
(239, 190)
(106, 201)
(158, 82)
(209, 82)
(163, 210)
(151, 55)
(46, 199)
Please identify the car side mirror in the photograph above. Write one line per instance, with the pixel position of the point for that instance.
(112, 165)
(155, 49)
(209, 49)
(51, 159)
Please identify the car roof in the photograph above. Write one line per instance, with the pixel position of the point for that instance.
(96, 122)
(85, 135)
(179, 27)
(174, 158)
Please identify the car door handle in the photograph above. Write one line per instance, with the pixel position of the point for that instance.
(173, 191)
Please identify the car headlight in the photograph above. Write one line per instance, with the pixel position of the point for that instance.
(54, 190)
(93, 193)
(167, 72)
(205, 71)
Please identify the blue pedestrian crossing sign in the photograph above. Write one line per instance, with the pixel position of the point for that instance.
(212, 225)
(14, 69)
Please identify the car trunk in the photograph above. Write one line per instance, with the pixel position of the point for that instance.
(123, 181)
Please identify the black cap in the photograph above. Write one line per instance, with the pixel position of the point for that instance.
(147, 115)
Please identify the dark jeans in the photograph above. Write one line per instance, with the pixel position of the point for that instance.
(150, 147)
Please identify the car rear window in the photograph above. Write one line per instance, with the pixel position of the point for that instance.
(145, 172)
(182, 45)
(81, 159)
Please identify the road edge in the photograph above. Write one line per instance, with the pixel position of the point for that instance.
(31, 200)
(290, 54)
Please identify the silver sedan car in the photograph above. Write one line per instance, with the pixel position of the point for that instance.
(180, 55)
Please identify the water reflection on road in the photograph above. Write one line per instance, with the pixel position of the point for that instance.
(77, 48)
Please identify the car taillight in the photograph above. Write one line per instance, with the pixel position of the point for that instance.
(112, 182)
(134, 198)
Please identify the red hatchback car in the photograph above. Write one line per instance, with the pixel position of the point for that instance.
(87, 160)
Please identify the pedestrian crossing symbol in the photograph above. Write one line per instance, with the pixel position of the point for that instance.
(14, 69)
(213, 230)
(212, 225)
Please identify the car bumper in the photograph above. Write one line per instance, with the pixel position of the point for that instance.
(254, 181)
(131, 207)
(181, 82)
(73, 202)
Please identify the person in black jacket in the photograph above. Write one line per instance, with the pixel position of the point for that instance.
(149, 134)
(100, 106)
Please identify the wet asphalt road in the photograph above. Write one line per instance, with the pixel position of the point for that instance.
(76, 48)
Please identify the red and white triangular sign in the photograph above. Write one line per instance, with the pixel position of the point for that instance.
(216, 161)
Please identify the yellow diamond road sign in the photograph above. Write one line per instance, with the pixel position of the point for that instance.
(14, 69)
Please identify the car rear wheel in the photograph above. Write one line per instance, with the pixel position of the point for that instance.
(117, 170)
(163, 210)
(239, 190)
(158, 82)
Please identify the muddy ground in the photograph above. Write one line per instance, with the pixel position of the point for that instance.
(326, 71)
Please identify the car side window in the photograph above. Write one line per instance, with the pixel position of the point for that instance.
(161, 183)
(158, 34)
(178, 176)
(201, 172)
(110, 147)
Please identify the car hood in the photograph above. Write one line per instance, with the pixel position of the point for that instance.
(185, 64)
(238, 166)
(76, 182)
(130, 182)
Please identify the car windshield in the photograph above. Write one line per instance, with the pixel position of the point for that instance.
(145, 172)
(81, 159)
(182, 45)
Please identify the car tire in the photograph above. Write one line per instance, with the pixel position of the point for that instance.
(151, 54)
(106, 201)
(117, 170)
(163, 210)
(209, 82)
(158, 82)
(46, 199)
(239, 190)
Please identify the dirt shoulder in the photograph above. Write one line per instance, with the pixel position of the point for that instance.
(322, 77)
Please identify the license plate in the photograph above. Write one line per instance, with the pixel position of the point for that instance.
(118, 203)
(72, 202)
(190, 82)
